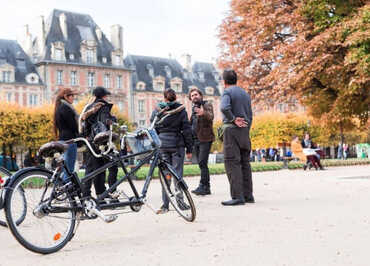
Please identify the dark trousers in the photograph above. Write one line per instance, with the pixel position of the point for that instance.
(314, 161)
(93, 163)
(237, 147)
(176, 159)
(202, 150)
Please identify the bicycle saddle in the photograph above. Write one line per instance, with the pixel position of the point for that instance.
(103, 137)
(50, 148)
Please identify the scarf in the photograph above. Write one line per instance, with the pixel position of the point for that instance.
(163, 105)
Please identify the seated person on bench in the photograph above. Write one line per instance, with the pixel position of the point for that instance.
(297, 150)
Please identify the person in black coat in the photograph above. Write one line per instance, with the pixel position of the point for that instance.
(97, 117)
(66, 125)
(175, 133)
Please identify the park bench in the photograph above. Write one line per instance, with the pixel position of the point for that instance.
(286, 161)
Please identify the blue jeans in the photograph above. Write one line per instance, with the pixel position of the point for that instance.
(176, 159)
(70, 156)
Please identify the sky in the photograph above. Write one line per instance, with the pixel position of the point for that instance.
(150, 27)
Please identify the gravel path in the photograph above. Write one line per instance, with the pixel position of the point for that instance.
(300, 218)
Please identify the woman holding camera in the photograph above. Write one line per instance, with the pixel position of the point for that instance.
(174, 131)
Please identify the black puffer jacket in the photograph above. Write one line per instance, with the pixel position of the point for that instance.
(66, 121)
(174, 130)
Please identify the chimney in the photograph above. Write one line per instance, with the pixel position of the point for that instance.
(25, 39)
(116, 37)
(99, 33)
(63, 25)
(185, 61)
(41, 35)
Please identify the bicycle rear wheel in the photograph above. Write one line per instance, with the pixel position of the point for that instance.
(49, 222)
(178, 194)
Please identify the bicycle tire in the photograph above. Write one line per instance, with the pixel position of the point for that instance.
(51, 232)
(5, 173)
(173, 189)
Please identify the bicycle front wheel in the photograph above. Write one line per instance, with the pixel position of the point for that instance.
(177, 193)
(4, 174)
(49, 222)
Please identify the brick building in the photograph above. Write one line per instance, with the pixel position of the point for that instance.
(70, 50)
(151, 75)
(19, 81)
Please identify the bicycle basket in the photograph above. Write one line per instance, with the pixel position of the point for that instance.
(138, 144)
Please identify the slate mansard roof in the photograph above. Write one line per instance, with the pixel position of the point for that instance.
(140, 65)
(80, 27)
(12, 53)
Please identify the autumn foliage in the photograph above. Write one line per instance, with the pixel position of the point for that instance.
(314, 51)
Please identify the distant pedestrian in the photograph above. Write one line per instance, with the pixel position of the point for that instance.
(345, 151)
(237, 120)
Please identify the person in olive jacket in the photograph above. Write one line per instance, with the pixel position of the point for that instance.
(66, 125)
(174, 131)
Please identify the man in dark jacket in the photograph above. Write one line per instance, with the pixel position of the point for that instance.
(202, 128)
(237, 120)
(102, 114)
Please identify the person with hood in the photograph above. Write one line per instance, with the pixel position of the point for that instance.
(66, 125)
(175, 133)
(96, 118)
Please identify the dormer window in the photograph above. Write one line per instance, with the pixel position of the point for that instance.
(140, 85)
(104, 59)
(58, 54)
(158, 83)
(150, 69)
(176, 84)
(118, 60)
(32, 78)
(168, 71)
(71, 56)
(89, 56)
(209, 90)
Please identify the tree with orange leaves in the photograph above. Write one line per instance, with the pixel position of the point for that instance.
(317, 51)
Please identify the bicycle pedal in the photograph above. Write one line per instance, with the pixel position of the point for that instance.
(105, 218)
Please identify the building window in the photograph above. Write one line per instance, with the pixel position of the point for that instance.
(6, 76)
(120, 106)
(89, 56)
(59, 77)
(118, 60)
(104, 60)
(107, 80)
(119, 82)
(71, 56)
(159, 86)
(209, 90)
(141, 106)
(9, 97)
(73, 78)
(91, 79)
(33, 99)
(142, 123)
(140, 85)
(176, 87)
(58, 54)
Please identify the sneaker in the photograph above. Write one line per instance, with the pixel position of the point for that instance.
(115, 194)
(162, 210)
